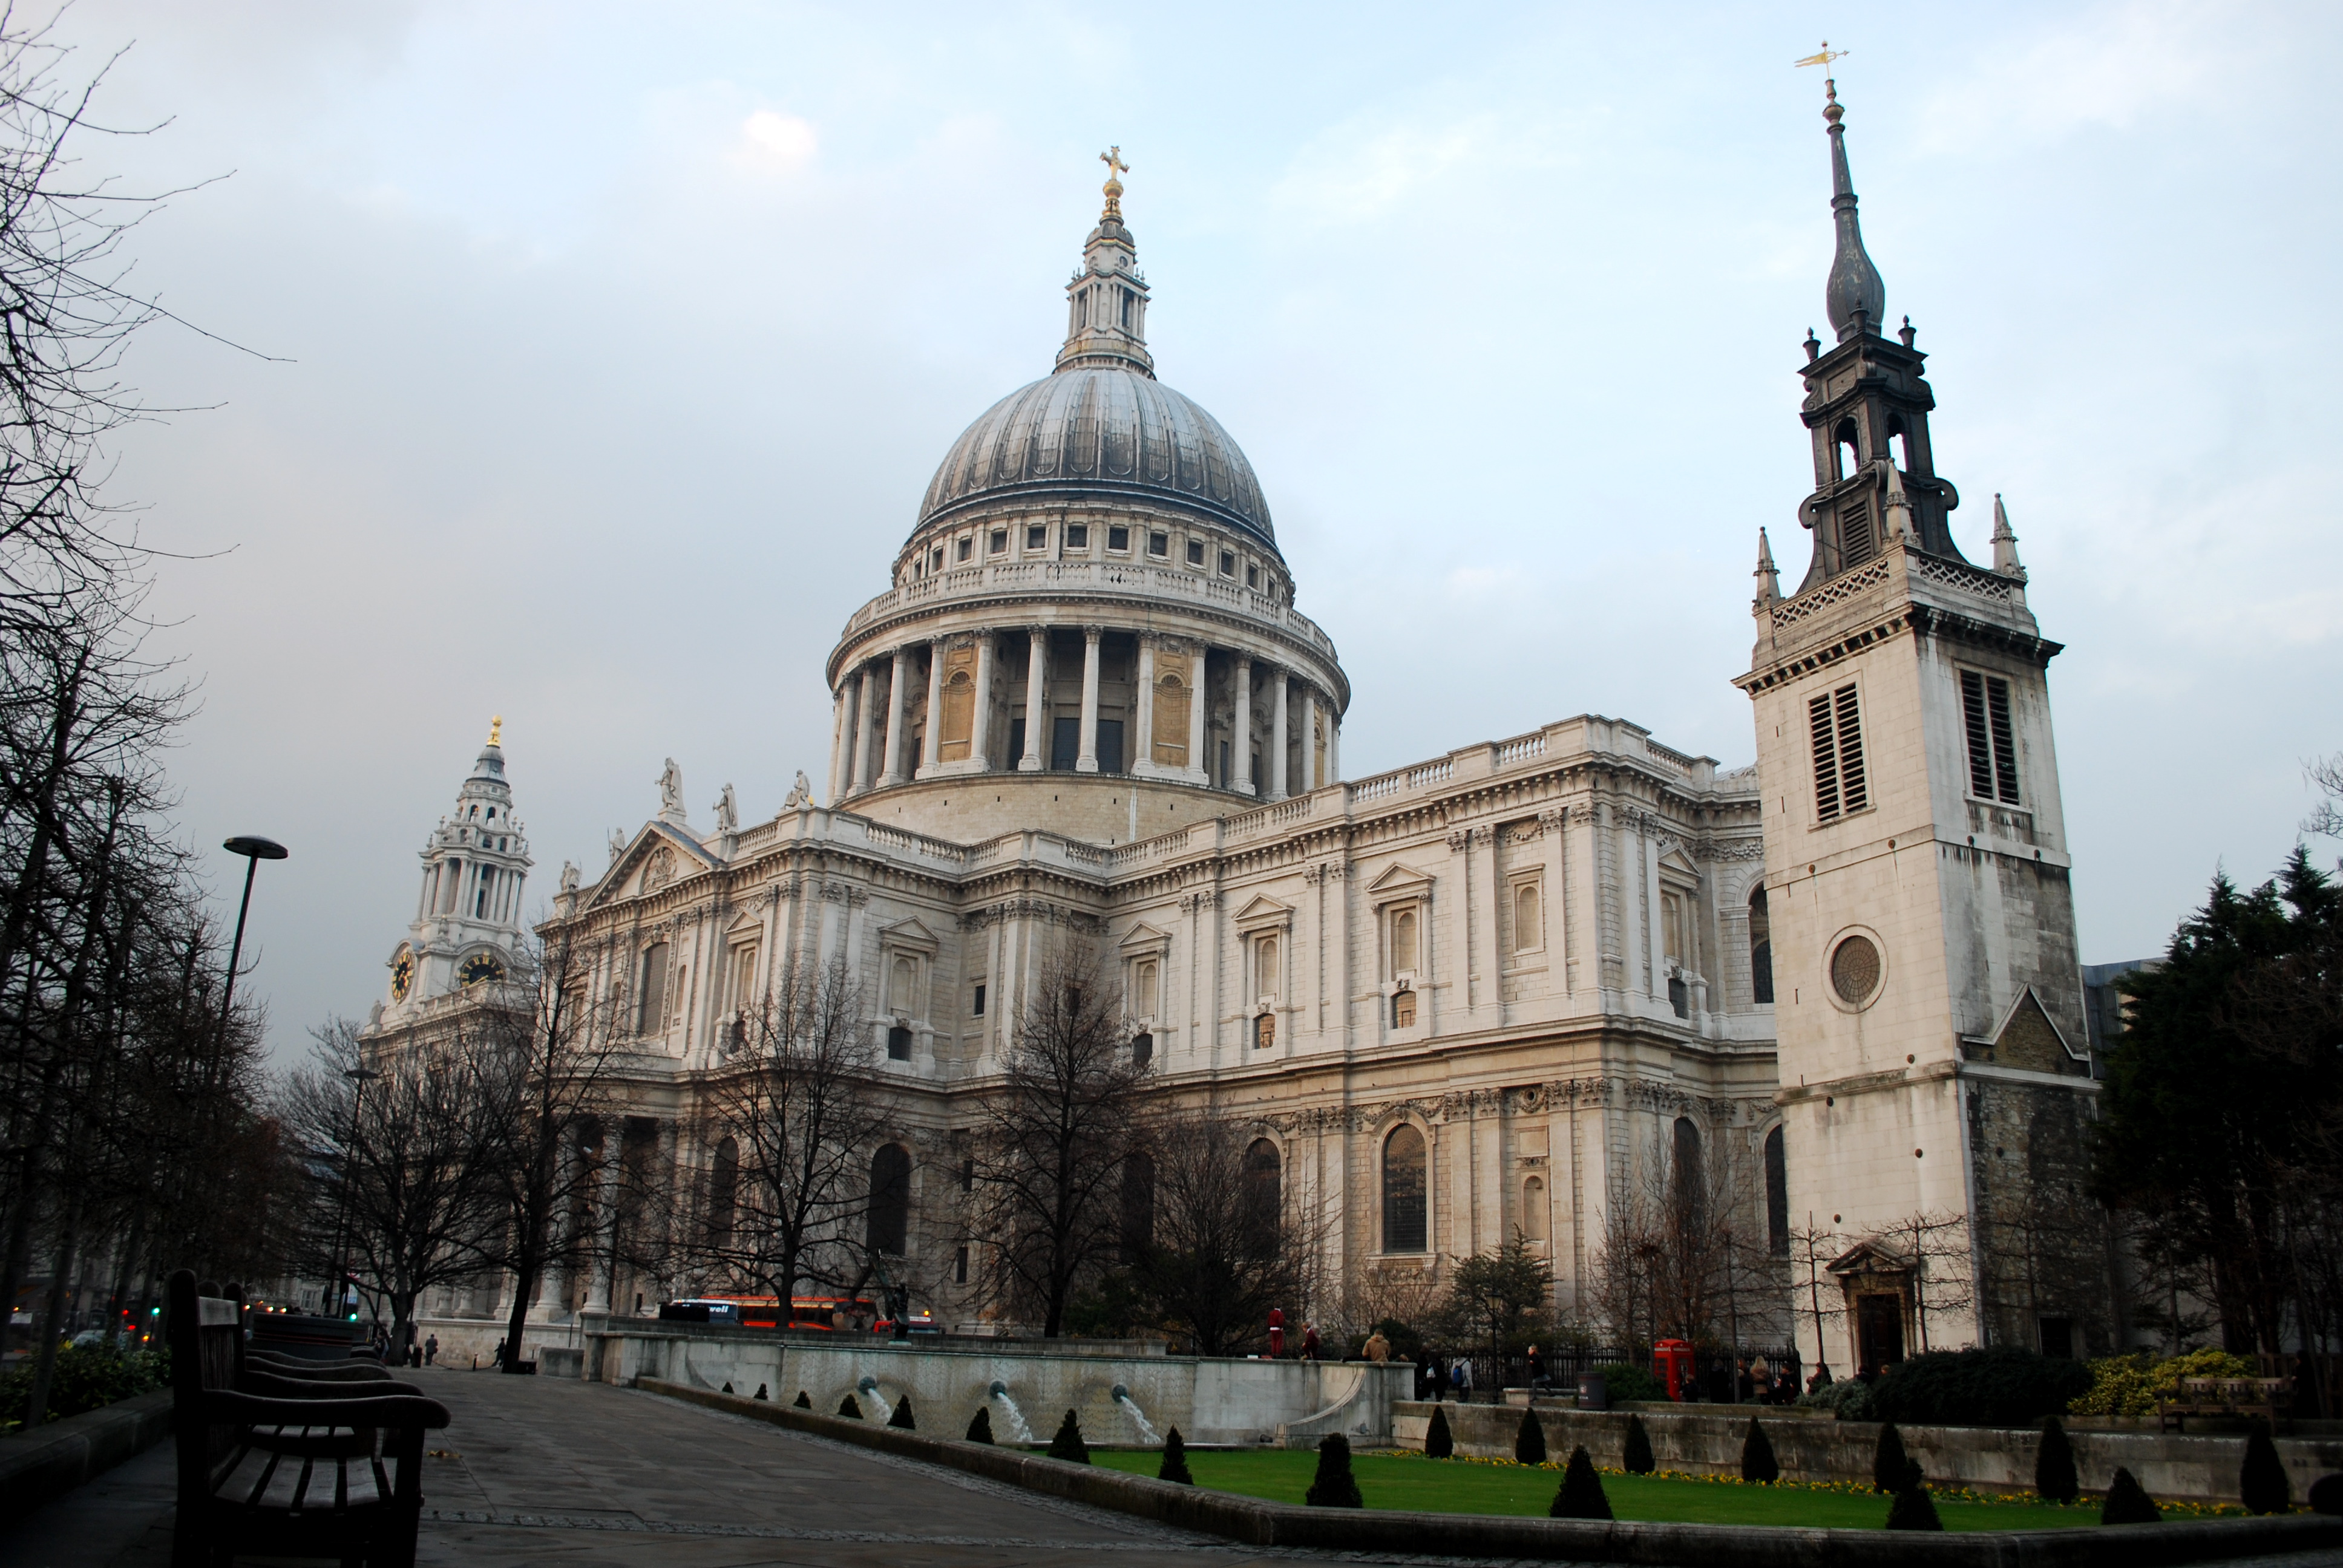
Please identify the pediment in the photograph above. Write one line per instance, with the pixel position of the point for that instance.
(1144, 937)
(1868, 1257)
(1263, 910)
(2029, 1038)
(1677, 861)
(1399, 882)
(746, 924)
(909, 934)
(656, 857)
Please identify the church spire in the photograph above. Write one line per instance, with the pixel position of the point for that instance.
(1855, 297)
(1769, 581)
(2005, 543)
(1106, 302)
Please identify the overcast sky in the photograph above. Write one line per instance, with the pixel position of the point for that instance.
(614, 347)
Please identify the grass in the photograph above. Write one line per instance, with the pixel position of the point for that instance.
(1409, 1482)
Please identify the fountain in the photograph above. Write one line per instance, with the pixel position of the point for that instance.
(1023, 1433)
(869, 1389)
(1146, 1428)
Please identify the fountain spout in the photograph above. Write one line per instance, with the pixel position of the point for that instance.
(869, 1389)
(1000, 1390)
(1130, 1406)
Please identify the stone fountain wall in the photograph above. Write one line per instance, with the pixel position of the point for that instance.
(1211, 1400)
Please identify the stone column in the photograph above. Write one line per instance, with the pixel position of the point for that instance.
(979, 747)
(891, 762)
(1277, 790)
(1087, 762)
(1036, 697)
(1144, 694)
(841, 727)
(1310, 779)
(1197, 763)
(1240, 741)
(932, 732)
(1334, 745)
(866, 726)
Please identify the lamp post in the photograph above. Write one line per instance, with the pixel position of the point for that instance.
(361, 1076)
(254, 850)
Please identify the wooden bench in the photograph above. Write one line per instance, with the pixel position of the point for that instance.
(274, 1462)
(2228, 1397)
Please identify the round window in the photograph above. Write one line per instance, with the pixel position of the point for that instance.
(1854, 970)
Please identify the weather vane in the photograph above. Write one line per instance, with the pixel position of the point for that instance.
(1827, 56)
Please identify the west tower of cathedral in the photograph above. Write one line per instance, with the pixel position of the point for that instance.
(1928, 1009)
(468, 913)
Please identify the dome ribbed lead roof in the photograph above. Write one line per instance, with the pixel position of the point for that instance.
(1094, 431)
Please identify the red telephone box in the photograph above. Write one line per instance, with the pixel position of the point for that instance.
(1672, 1359)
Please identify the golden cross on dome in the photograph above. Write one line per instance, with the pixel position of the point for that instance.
(495, 729)
(1112, 159)
(1825, 58)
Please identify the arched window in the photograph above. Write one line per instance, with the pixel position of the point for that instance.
(1777, 1196)
(1138, 1206)
(1265, 967)
(1687, 1179)
(1145, 987)
(1534, 1209)
(1142, 1049)
(1529, 935)
(903, 977)
(1761, 949)
(890, 1200)
(650, 1012)
(1264, 1031)
(1403, 1190)
(1265, 1189)
(1847, 450)
(1402, 1009)
(1404, 944)
(723, 1192)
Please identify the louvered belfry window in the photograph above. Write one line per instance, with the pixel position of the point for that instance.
(1836, 724)
(1993, 748)
(1855, 539)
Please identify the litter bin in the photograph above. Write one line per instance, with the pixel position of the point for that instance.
(1592, 1392)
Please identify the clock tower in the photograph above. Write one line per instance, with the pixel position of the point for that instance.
(1935, 1080)
(467, 916)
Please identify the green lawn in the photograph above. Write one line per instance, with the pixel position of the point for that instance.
(1442, 1486)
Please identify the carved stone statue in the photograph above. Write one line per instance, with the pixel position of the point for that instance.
(617, 845)
(728, 811)
(569, 876)
(800, 794)
(671, 787)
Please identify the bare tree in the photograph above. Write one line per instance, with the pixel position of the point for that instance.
(1813, 1248)
(1054, 1134)
(1218, 1236)
(2326, 776)
(1936, 1247)
(795, 1114)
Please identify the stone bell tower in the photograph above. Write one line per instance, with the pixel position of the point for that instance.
(468, 916)
(1928, 1005)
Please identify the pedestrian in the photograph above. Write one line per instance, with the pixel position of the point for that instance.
(1742, 1382)
(431, 1351)
(1310, 1342)
(1459, 1379)
(1439, 1378)
(1761, 1378)
(1427, 1375)
(1821, 1377)
(1537, 1369)
(1377, 1349)
(1276, 1333)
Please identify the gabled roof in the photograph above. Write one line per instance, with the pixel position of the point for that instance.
(647, 839)
(1262, 911)
(909, 933)
(1142, 936)
(1400, 879)
(1869, 1257)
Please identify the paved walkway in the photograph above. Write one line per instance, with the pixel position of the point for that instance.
(546, 1472)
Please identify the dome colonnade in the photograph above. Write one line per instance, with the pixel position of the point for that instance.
(1092, 595)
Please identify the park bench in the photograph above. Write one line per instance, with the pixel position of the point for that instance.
(274, 1462)
(2231, 1397)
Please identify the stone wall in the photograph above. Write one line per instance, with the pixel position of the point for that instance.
(2181, 1466)
(1211, 1400)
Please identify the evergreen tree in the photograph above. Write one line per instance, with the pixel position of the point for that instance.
(1890, 1471)
(848, 1408)
(980, 1426)
(1068, 1444)
(2053, 1466)
(902, 1416)
(2262, 1484)
(1913, 1508)
(760, 1393)
(1529, 1443)
(1580, 1495)
(728, 1388)
(802, 1402)
(2327, 1494)
(2129, 1503)
(1758, 1461)
(1437, 1442)
(1175, 1459)
(1335, 1487)
(1639, 1459)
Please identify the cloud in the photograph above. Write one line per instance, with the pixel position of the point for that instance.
(776, 141)
(1344, 179)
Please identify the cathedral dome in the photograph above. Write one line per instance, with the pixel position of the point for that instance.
(1098, 430)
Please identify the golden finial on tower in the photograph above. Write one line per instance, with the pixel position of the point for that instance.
(1112, 159)
(496, 729)
(1825, 58)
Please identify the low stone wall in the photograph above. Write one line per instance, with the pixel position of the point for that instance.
(50, 1461)
(1211, 1400)
(2182, 1466)
(1448, 1535)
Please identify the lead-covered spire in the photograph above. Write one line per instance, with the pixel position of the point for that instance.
(1856, 299)
(1106, 302)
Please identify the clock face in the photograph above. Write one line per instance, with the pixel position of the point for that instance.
(402, 975)
(478, 968)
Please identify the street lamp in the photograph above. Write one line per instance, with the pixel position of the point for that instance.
(361, 1076)
(254, 850)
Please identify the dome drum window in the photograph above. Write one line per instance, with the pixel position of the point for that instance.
(1159, 544)
(1077, 535)
(1118, 538)
(1036, 537)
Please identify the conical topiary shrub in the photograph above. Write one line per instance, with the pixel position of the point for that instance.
(1335, 1486)
(1529, 1443)
(1889, 1468)
(1913, 1508)
(1175, 1459)
(2053, 1466)
(848, 1408)
(980, 1426)
(902, 1416)
(2327, 1495)
(2129, 1502)
(1068, 1444)
(803, 1400)
(1437, 1442)
(1638, 1459)
(1580, 1495)
(2262, 1484)
(761, 1395)
(1757, 1460)
(728, 1388)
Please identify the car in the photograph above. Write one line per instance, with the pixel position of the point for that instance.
(88, 1339)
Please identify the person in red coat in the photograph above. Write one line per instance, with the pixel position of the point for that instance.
(1276, 1333)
